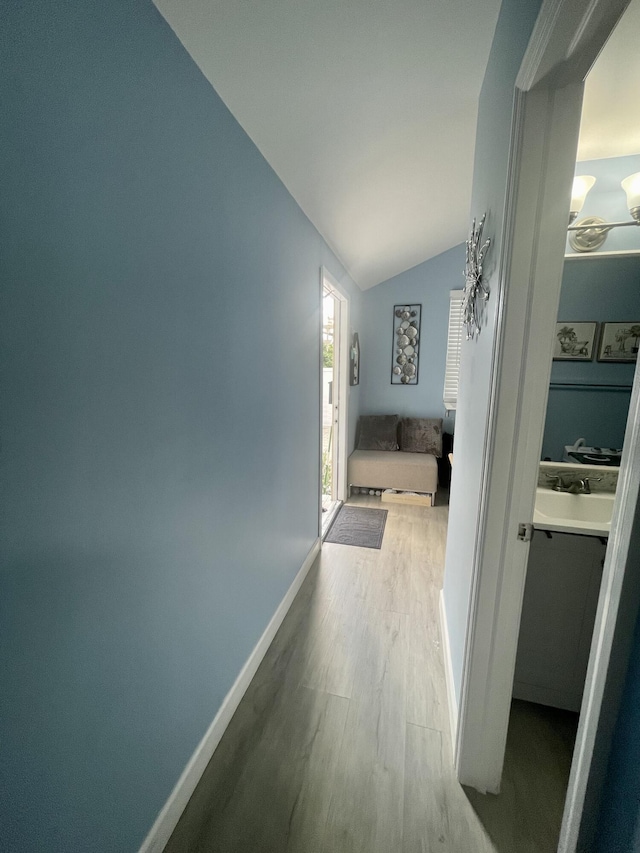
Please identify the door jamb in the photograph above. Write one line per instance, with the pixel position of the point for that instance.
(327, 280)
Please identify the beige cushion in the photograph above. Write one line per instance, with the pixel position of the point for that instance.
(383, 469)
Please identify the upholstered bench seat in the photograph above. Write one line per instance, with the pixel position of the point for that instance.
(381, 469)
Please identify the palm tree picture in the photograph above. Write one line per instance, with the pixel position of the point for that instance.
(574, 341)
(615, 342)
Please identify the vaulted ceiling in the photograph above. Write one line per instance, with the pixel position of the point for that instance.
(367, 109)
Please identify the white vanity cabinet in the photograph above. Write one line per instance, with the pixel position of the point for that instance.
(558, 613)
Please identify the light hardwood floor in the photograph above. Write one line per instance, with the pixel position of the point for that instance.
(341, 743)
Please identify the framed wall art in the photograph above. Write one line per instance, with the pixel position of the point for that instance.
(406, 344)
(574, 341)
(354, 360)
(619, 342)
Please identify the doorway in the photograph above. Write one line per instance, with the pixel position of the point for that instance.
(584, 433)
(334, 403)
(586, 426)
(548, 96)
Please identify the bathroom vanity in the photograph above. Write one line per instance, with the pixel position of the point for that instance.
(558, 613)
(564, 574)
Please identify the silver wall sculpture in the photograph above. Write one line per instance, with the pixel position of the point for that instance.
(475, 291)
(406, 344)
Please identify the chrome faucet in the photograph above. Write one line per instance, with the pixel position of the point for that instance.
(577, 486)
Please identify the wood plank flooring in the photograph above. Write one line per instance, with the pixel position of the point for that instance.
(341, 743)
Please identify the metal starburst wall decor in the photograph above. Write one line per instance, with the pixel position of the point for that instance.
(474, 289)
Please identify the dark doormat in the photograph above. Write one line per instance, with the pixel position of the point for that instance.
(355, 525)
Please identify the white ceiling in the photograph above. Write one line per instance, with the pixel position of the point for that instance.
(610, 124)
(366, 109)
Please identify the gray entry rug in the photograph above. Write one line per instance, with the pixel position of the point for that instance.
(354, 525)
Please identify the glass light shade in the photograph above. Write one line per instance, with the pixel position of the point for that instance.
(631, 186)
(581, 186)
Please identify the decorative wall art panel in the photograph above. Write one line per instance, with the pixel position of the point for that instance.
(406, 344)
(354, 360)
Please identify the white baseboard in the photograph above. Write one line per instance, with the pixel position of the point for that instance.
(448, 672)
(168, 818)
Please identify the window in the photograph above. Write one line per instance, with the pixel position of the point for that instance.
(454, 345)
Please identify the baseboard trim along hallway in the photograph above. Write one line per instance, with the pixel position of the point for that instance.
(168, 818)
(448, 672)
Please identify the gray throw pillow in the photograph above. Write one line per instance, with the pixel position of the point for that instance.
(378, 432)
(421, 435)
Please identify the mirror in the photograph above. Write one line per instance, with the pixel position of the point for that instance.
(589, 392)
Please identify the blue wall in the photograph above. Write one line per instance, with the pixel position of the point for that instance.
(160, 414)
(493, 137)
(600, 289)
(608, 200)
(429, 284)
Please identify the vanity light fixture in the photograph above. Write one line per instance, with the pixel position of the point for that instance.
(590, 233)
(581, 186)
(631, 186)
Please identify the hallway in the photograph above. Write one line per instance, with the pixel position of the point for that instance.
(341, 744)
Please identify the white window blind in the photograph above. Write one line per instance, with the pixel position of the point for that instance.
(454, 345)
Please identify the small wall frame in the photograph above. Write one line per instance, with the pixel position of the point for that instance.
(405, 351)
(619, 342)
(574, 341)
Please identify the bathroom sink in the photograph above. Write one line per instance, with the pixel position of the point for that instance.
(586, 514)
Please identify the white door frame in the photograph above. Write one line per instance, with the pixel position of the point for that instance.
(341, 392)
(565, 42)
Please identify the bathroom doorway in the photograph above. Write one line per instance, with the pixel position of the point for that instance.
(547, 118)
(592, 376)
(595, 353)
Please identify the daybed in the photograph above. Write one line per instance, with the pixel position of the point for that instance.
(398, 454)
